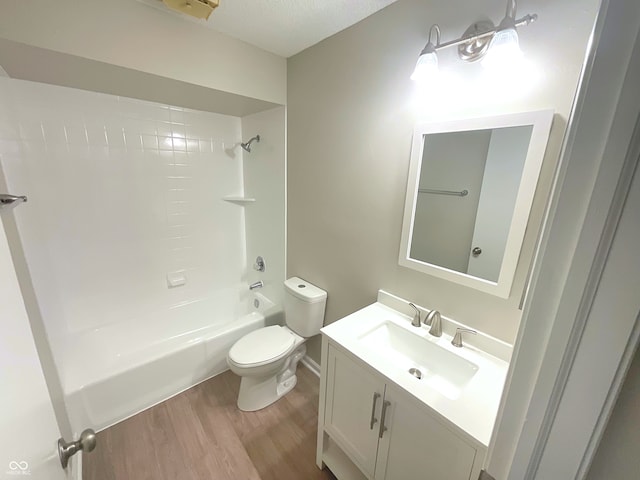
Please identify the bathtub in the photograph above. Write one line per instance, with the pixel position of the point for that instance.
(114, 372)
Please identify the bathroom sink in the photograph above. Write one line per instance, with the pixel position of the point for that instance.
(421, 358)
(462, 385)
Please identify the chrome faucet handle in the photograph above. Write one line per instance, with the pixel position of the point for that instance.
(434, 320)
(259, 265)
(416, 318)
(457, 339)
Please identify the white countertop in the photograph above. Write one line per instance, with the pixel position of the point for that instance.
(473, 411)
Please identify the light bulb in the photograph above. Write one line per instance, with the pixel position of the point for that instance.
(504, 50)
(426, 66)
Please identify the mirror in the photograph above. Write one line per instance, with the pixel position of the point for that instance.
(470, 189)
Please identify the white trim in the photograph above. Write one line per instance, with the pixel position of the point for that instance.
(592, 287)
(311, 364)
(544, 358)
(577, 341)
(75, 465)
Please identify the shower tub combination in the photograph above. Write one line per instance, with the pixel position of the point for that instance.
(111, 373)
(94, 265)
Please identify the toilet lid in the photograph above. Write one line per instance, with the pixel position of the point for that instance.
(262, 345)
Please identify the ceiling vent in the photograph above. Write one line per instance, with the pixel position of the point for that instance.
(195, 8)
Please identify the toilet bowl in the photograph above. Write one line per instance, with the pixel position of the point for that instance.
(266, 359)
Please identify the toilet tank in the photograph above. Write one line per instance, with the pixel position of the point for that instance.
(304, 306)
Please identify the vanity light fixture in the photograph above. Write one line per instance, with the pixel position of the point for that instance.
(498, 45)
(427, 64)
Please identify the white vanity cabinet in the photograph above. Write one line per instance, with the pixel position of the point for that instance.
(417, 446)
(367, 422)
(353, 409)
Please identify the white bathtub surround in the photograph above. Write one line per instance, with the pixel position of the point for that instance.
(121, 194)
(138, 264)
(264, 179)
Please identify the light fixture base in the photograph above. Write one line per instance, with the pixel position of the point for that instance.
(475, 49)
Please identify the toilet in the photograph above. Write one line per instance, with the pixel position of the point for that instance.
(266, 359)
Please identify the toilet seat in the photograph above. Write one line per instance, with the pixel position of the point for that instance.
(262, 346)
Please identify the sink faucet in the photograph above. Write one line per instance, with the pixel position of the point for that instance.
(434, 320)
(457, 339)
(255, 285)
(416, 318)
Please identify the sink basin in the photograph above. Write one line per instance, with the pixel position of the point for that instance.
(440, 369)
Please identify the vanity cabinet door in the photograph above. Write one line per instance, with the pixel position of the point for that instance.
(353, 406)
(417, 446)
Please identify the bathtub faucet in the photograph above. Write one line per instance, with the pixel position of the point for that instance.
(258, 284)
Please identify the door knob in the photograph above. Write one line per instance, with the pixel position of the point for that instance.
(86, 443)
(476, 251)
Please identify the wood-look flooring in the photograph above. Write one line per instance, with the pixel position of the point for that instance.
(200, 434)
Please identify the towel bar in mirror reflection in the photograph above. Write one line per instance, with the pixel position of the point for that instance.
(462, 193)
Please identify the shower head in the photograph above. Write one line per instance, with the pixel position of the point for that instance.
(247, 145)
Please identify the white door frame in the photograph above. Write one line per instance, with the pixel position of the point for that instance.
(603, 341)
(29, 427)
(582, 218)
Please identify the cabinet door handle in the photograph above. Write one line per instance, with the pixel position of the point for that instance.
(383, 429)
(373, 421)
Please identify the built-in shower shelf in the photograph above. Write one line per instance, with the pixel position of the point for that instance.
(238, 199)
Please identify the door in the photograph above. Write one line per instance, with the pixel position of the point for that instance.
(502, 175)
(27, 420)
(354, 404)
(415, 445)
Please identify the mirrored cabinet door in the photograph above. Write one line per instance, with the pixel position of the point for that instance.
(469, 194)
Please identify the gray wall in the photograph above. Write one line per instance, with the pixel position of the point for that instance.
(617, 456)
(135, 36)
(351, 112)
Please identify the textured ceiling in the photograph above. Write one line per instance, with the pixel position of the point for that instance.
(285, 27)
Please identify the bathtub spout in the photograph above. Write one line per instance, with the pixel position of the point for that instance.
(258, 284)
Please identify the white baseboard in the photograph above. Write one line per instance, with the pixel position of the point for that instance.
(311, 364)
